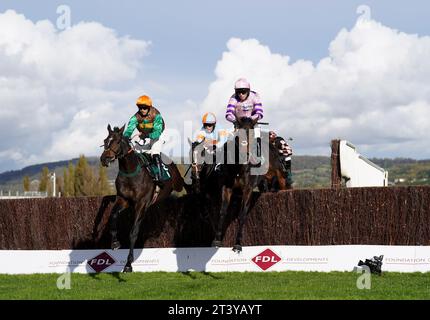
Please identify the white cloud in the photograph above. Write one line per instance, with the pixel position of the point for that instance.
(56, 94)
(59, 89)
(371, 89)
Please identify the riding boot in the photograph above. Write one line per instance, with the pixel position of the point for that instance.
(289, 175)
(157, 178)
(259, 147)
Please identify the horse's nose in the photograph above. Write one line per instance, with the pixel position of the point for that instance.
(103, 160)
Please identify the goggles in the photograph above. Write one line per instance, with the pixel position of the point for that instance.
(143, 107)
(242, 91)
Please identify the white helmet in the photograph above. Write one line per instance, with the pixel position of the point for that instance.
(242, 83)
(209, 118)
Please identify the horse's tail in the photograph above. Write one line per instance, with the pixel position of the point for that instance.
(177, 180)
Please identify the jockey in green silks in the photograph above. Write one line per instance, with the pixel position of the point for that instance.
(150, 124)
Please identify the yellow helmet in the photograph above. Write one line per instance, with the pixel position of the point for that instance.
(144, 100)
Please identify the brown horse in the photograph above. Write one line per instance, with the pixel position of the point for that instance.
(233, 174)
(203, 173)
(134, 185)
(236, 173)
(276, 178)
(203, 164)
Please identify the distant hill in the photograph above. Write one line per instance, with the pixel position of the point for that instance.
(10, 176)
(388, 162)
(404, 171)
(12, 180)
(309, 162)
(311, 171)
(308, 171)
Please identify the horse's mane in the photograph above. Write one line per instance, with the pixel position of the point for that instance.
(123, 138)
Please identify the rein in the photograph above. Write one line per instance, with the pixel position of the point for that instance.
(245, 143)
(138, 170)
(122, 155)
(189, 167)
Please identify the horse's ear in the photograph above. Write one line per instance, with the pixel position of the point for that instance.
(109, 128)
(122, 129)
(190, 142)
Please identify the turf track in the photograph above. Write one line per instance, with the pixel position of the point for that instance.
(235, 286)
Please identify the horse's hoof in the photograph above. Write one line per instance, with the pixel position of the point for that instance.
(115, 245)
(128, 269)
(237, 248)
(216, 243)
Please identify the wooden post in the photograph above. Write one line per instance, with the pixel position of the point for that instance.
(336, 178)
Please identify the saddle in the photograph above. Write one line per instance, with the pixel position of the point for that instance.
(152, 168)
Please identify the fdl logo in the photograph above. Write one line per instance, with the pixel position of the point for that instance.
(101, 262)
(266, 259)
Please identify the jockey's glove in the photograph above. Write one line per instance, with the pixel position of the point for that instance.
(255, 118)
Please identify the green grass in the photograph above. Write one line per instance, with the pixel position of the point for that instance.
(234, 286)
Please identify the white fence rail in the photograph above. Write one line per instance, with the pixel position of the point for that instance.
(359, 171)
(255, 258)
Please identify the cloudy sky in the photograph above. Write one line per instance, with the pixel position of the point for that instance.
(324, 69)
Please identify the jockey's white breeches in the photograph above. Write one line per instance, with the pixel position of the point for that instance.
(158, 145)
(152, 147)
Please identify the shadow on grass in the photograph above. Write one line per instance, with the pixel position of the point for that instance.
(189, 274)
(117, 275)
(213, 276)
(94, 276)
(193, 275)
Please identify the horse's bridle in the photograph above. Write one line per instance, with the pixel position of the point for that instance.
(119, 153)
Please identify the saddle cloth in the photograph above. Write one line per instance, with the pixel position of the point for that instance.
(152, 168)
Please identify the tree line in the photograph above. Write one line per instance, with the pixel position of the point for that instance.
(77, 180)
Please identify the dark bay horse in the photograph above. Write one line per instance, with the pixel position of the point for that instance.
(239, 160)
(231, 173)
(134, 185)
(276, 178)
(203, 174)
(206, 181)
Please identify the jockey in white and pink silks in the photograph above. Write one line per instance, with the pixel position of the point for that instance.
(244, 103)
(247, 103)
